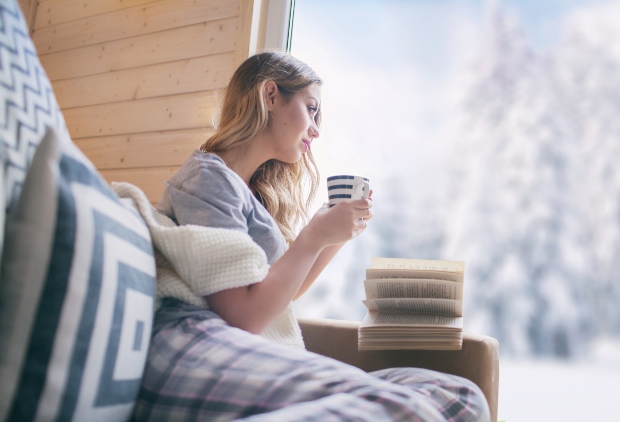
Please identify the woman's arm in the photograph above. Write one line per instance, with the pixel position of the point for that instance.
(253, 307)
(321, 262)
(324, 258)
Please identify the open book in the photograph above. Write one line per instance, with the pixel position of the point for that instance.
(413, 304)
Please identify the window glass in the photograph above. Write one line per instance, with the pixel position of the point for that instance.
(490, 133)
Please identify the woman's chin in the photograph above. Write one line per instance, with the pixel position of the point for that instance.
(293, 159)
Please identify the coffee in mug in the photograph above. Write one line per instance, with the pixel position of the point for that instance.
(347, 187)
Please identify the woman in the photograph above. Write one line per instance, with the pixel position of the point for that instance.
(206, 362)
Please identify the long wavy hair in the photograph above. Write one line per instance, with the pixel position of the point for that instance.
(285, 189)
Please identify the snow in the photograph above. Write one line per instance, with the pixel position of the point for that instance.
(551, 390)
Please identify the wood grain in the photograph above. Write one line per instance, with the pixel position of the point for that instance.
(130, 22)
(160, 47)
(150, 180)
(52, 12)
(143, 150)
(179, 77)
(176, 112)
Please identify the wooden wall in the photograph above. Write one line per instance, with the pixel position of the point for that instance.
(139, 80)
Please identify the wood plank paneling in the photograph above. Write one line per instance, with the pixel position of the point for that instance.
(193, 75)
(175, 44)
(150, 180)
(135, 21)
(176, 112)
(52, 12)
(138, 81)
(144, 150)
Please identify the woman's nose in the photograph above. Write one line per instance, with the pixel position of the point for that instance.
(314, 131)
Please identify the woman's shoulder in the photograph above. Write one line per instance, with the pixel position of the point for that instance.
(206, 160)
(203, 164)
(207, 173)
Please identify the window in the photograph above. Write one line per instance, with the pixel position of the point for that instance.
(489, 131)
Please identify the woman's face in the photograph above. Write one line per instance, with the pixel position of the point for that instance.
(292, 126)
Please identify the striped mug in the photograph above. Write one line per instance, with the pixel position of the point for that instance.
(346, 187)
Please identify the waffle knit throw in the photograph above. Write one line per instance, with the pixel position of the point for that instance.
(196, 261)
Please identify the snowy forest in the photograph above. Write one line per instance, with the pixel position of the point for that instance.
(531, 200)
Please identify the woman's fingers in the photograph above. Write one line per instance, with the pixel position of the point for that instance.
(361, 203)
(343, 221)
(363, 208)
(360, 226)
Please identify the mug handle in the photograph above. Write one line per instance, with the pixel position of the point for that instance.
(365, 186)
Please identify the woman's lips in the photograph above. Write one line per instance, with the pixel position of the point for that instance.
(307, 143)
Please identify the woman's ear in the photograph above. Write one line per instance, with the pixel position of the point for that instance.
(271, 90)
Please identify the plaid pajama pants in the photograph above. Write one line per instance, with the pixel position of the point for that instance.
(200, 368)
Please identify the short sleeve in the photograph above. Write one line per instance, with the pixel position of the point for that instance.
(208, 195)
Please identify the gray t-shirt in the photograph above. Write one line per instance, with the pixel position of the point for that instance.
(206, 192)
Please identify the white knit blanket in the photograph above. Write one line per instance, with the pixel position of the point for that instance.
(195, 261)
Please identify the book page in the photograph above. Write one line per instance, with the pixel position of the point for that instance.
(418, 264)
(409, 287)
(374, 318)
(424, 306)
(380, 273)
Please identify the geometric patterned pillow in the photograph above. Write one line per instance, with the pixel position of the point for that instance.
(77, 272)
(76, 297)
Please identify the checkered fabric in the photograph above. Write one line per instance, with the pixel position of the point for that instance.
(200, 368)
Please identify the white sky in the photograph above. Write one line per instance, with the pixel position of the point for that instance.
(392, 72)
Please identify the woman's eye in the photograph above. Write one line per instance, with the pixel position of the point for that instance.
(313, 109)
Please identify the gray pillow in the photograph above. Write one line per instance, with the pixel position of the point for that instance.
(77, 294)
(77, 272)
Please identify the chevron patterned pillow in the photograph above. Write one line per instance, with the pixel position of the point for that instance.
(28, 104)
(77, 270)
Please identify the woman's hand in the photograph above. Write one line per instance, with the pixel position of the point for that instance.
(328, 253)
(254, 307)
(340, 223)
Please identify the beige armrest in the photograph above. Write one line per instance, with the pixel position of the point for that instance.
(478, 361)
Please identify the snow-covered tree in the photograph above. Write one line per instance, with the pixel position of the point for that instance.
(405, 226)
(588, 69)
(514, 219)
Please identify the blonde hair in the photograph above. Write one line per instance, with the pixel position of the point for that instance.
(278, 185)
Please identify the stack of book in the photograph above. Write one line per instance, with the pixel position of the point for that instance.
(413, 304)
